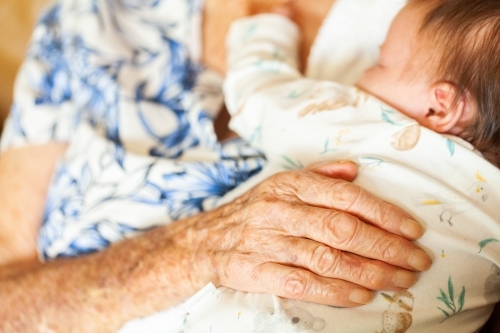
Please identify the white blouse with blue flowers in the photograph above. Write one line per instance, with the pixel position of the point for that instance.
(120, 81)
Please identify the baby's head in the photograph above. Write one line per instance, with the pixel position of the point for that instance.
(440, 65)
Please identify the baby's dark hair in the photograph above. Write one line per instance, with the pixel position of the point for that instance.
(467, 33)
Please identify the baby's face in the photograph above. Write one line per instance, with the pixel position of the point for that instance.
(399, 79)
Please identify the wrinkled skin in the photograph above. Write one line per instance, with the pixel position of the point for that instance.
(294, 235)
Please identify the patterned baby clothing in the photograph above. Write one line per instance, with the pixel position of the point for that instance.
(439, 179)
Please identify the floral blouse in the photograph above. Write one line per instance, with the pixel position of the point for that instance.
(121, 82)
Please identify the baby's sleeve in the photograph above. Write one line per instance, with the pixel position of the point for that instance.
(262, 54)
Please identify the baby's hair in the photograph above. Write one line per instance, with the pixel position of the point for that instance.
(467, 33)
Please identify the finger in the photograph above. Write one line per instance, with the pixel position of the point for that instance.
(345, 170)
(300, 284)
(325, 261)
(318, 190)
(345, 232)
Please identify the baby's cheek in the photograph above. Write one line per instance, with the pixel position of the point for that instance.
(373, 80)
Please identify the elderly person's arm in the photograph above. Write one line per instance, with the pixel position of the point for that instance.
(245, 244)
(25, 174)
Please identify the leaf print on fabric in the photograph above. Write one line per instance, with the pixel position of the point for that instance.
(98, 95)
(54, 84)
(297, 94)
(327, 148)
(272, 65)
(386, 116)
(371, 162)
(407, 138)
(337, 141)
(452, 307)
(483, 243)
(291, 165)
(184, 193)
(15, 117)
(178, 79)
(327, 105)
(451, 147)
(256, 136)
(250, 31)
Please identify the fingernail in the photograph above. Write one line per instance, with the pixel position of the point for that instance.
(411, 229)
(419, 260)
(404, 279)
(361, 296)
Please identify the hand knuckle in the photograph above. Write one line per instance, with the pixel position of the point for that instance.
(277, 177)
(346, 194)
(344, 228)
(279, 186)
(296, 284)
(386, 214)
(389, 250)
(291, 176)
(373, 277)
(261, 207)
(325, 260)
(332, 293)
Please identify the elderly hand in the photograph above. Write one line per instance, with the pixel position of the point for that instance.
(308, 236)
(292, 235)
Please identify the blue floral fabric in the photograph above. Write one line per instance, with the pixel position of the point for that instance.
(121, 82)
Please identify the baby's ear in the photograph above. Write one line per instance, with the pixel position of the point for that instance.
(447, 113)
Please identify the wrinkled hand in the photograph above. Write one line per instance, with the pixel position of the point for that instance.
(310, 236)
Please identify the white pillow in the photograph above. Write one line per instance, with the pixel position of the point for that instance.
(349, 39)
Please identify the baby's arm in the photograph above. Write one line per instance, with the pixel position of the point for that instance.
(262, 55)
(265, 93)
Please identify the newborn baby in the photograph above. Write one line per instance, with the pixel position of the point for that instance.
(406, 124)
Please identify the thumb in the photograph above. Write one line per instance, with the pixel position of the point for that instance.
(345, 170)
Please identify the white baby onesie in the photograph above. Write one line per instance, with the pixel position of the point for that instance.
(440, 180)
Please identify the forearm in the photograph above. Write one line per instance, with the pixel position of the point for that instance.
(94, 293)
(25, 175)
(100, 292)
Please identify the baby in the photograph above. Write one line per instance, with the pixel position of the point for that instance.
(440, 65)
(414, 124)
